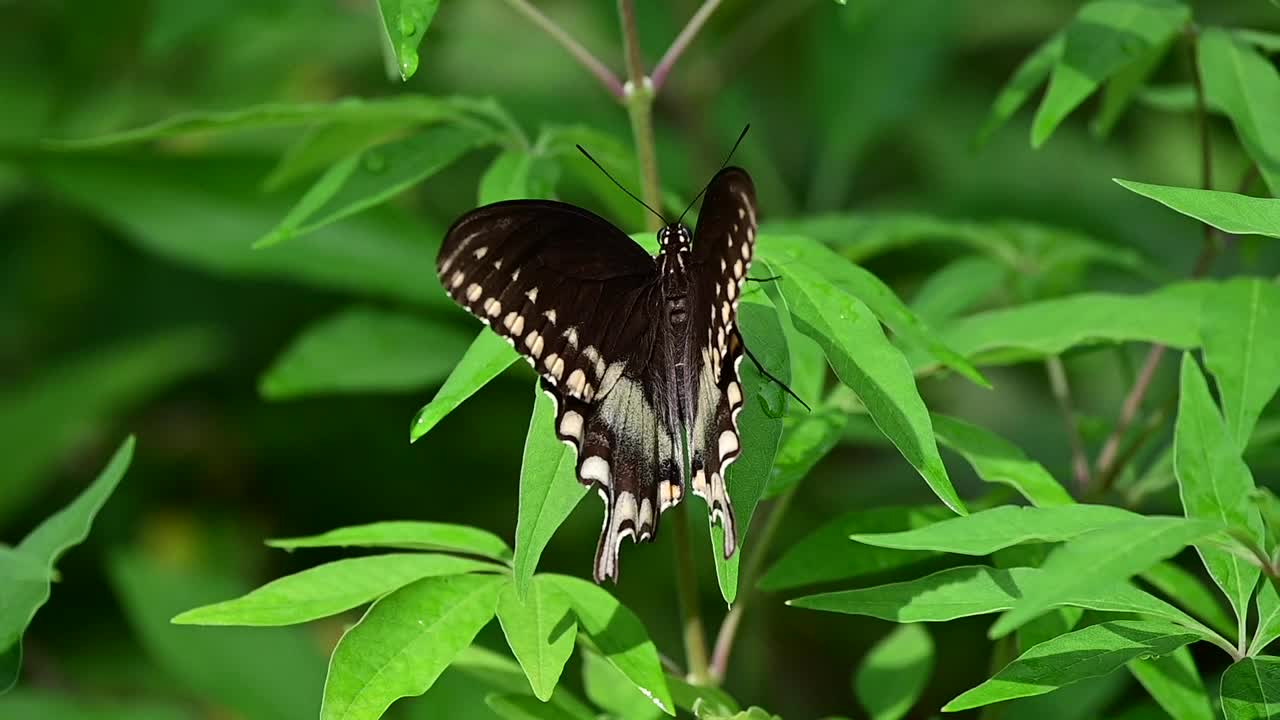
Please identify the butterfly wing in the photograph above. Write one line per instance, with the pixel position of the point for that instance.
(723, 244)
(579, 300)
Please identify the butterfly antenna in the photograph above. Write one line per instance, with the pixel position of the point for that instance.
(722, 166)
(661, 217)
(769, 375)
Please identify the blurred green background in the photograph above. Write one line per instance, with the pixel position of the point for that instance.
(131, 302)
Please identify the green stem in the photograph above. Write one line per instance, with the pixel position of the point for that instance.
(1062, 393)
(638, 95)
(695, 639)
(574, 48)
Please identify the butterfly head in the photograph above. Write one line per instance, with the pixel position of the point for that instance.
(675, 238)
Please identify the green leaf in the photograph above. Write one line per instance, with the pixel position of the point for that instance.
(1267, 42)
(864, 360)
(895, 672)
(518, 175)
(698, 697)
(365, 350)
(63, 705)
(549, 489)
(1251, 689)
(1105, 37)
(806, 439)
(27, 570)
(785, 253)
(501, 673)
(328, 589)
(205, 211)
(1188, 592)
(405, 22)
(957, 288)
(407, 535)
(1090, 652)
(987, 531)
(980, 590)
(1125, 85)
(619, 636)
(51, 414)
(1245, 85)
(1090, 561)
(1242, 350)
(826, 554)
(252, 672)
(610, 691)
(751, 713)
(999, 461)
(1269, 508)
(376, 175)
(1214, 484)
(1169, 316)
(760, 429)
(1029, 75)
(540, 629)
(1175, 683)
(405, 641)
(483, 361)
(524, 707)
(1268, 627)
(1227, 211)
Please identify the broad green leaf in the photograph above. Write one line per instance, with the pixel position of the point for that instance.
(1029, 75)
(376, 175)
(365, 350)
(1125, 85)
(957, 288)
(1186, 590)
(1090, 561)
(47, 416)
(873, 368)
(1244, 84)
(979, 590)
(405, 22)
(895, 672)
(1086, 700)
(986, 531)
(1251, 689)
(483, 361)
(1268, 627)
(252, 672)
(540, 629)
(806, 439)
(205, 212)
(407, 535)
(405, 641)
(329, 589)
(503, 674)
(525, 707)
(619, 636)
(27, 570)
(1269, 508)
(760, 429)
(696, 697)
(518, 175)
(1175, 683)
(1214, 484)
(826, 553)
(1227, 211)
(1090, 652)
(559, 142)
(608, 689)
(999, 461)
(784, 253)
(1169, 316)
(1242, 350)
(1105, 37)
(59, 704)
(328, 144)
(549, 489)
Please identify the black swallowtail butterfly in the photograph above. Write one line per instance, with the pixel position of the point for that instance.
(638, 352)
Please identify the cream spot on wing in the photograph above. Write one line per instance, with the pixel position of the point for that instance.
(536, 350)
(645, 518)
(550, 360)
(532, 294)
(532, 339)
(724, 312)
(497, 264)
(557, 368)
(731, 288)
(510, 320)
(480, 252)
(723, 265)
(515, 275)
(735, 394)
(550, 315)
(577, 382)
(572, 336)
(492, 307)
(742, 213)
(473, 292)
(456, 280)
(518, 326)
(700, 483)
(588, 392)
(571, 425)
(737, 268)
(728, 443)
(746, 251)
(596, 468)
(720, 339)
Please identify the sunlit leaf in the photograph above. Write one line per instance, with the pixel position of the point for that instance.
(407, 535)
(1090, 652)
(483, 361)
(404, 642)
(540, 628)
(1187, 591)
(1124, 86)
(895, 672)
(1241, 350)
(329, 589)
(405, 22)
(1246, 86)
(987, 531)
(518, 175)
(1251, 689)
(1175, 683)
(608, 689)
(1229, 212)
(997, 460)
(365, 350)
(956, 288)
(1030, 75)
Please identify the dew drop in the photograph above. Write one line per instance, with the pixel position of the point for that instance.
(408, 61)
(407, 25)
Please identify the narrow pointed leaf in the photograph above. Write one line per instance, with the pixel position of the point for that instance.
(1242, 349)
(524, 707)
(483, 361)
(1214, 484)
(1244, 84)
(1090, 652)
(607, 688)
(1175, 683)
(1030, 75)
(405, 22)
(1187, 591)
(329, 589)
(1227, 211)
(540, 628)
(957, 288)
(999, 461)
(895, 672)
(1251, 689)
(404, 642)
(986, 531)
(1125, 85)
(407, 535)
(1268, 627)
(518, 175)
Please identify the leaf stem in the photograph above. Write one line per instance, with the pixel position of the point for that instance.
(747, 581)
(1062, 393)
(584, 57)
(638, 96)
(682, 42)
(695, 640)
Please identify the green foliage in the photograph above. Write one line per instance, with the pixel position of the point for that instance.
(895, 672)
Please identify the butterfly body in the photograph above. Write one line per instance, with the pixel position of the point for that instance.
(640, 353)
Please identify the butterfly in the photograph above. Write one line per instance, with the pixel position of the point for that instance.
(639, 353)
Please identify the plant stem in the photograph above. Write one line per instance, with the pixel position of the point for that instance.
(1107, 465)
(1062, 393)
(747, 581)
(584, 57)
(638, 95)
(681, 43)
(695, 640)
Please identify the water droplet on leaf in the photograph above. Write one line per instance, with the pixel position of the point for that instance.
(408, 62)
